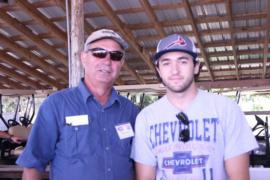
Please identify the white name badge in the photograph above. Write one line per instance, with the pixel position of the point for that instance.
(124, 130)
(77, 120)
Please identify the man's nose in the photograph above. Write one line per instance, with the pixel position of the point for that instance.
(107, 59)
(175, 67)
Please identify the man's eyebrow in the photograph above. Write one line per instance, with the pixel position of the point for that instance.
(164, 59)
(183, 57)
(178, 58)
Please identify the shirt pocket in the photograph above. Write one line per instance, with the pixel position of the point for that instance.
(79, 140)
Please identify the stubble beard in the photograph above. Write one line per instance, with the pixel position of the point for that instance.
(181, 88)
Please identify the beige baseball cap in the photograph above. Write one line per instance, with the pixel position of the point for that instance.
(105, 34)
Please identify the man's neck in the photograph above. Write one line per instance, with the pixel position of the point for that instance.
(100, 91)
(183, 99)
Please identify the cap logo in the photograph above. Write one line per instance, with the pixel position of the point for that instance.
(180, 41)
(109, 32)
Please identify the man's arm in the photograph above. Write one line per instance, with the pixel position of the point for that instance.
(237, 167)
(145, 172)
(31, 174)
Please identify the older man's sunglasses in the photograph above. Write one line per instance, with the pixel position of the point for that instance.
(102, 53)
(184, 133)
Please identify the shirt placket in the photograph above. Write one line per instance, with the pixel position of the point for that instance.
(105, 126)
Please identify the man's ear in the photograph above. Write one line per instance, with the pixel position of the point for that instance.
(83, 58)
(123, 62)
(157, 73)
(197, 68)
(157, 69)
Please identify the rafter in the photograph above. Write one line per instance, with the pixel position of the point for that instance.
(29, 35)
(33, 58)
(258, 41)
(231, 27)
(151, 14)
(30, 71)
(11, 84)
(41, 20)
(13, 74)
(110, 14)
(197, 36)
(266, 44)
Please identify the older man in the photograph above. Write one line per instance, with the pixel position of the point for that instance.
(85, 132)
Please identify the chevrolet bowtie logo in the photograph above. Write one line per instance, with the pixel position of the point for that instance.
(183, 162)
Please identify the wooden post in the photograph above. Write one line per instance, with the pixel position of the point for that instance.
(76, 38)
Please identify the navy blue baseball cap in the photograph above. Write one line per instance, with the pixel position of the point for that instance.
(175, 42)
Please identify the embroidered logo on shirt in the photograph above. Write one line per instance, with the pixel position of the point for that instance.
(183, 162)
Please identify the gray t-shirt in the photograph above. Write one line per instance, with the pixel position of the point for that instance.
(218, 131)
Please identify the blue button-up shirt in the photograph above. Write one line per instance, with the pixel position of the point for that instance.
(91, 150)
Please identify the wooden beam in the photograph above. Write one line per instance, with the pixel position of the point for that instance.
(41, 20)
(11, 73)
(197, 36)
(223, 43)
(33, 58)
(30, 71)
(87, 28)
(231, 27)
(24, 92)
(116, 21)
(76, 42)
(210, 32)
(12, 84)
(253, 83)
(28, 34)
(151, 15)
(266, 44)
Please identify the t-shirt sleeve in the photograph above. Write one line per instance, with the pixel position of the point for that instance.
(141, 147)
(239, 138)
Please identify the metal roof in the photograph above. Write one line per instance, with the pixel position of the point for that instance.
(232, 38)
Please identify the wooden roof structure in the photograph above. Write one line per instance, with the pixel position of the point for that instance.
(232, 38)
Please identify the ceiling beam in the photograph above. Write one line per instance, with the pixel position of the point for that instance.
(223, 43)
(28, 70)
(29, 35)
(231, 27)
(197, 36)
(11, 84)
(252, 83)
(120, 27)
(87, 27)
(266, 44)
(13, 74)
(46, 67)
(209, 32)
(41, 20)
(246, 16)
(151, 14)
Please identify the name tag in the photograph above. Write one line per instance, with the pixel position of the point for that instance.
(124, 130)
(77, 120)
